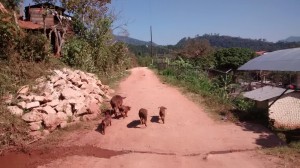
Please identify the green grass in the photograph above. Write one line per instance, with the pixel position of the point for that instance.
(198, 87)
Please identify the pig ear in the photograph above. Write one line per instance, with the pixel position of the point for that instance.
(123, 97)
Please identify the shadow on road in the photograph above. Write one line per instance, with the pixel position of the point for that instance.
(99, 129)
(133, 124)
(266, 139)
(154, 119)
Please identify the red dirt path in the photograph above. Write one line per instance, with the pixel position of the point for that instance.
(189, 138)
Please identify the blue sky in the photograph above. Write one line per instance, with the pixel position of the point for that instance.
(171, 20)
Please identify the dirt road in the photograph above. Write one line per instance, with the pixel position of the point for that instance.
(189, 138)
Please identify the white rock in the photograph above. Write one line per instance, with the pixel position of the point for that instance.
(34, 126)
(62, 116)
(62, 105)
(68, 110)
(51, 121)
(53, 103)
(49, 87)
(80, 109)
(54, 95)
(41, 79)
(84, 85)
(83, 77)
(22, 105)
(32, 116)
(39, 98)
(97, 97)
(32, 105)
(98, 83)
(25, 98)
(69, 93)
(59, 83)
(70, 76)
(93, 108)
(15, 110)
(111, 91)
(54, 78)
(48, 110)
(64, 124)
(23, 89)
(45, 132)
(66, 70)
(107, 97)
(59, 73)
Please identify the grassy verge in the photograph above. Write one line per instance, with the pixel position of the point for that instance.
(288, 154)
(13, 130)
(199, 89)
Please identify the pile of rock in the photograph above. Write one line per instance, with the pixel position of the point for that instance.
(66, 96)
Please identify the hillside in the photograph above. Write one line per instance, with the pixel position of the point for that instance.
(292, 39)
(133, 41)
(221, 41)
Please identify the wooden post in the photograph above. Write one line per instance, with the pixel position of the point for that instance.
(151, 52)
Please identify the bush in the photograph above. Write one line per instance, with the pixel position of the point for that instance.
(34, 47)
(78, 53)
(9, 36)
(144, 61)
(242, 104)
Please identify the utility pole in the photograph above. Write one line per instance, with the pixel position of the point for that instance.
(151, 41)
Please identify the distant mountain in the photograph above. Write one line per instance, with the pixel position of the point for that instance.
(132, 41)
(221, 41)
(292, 39)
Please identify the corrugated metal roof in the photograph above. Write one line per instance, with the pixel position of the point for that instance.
(265, 93)
(281, 60)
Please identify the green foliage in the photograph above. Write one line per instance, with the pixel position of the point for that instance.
(78, 53)
(9, 35)
(181, 63)
(242, 104)
(232, 58)
(194, 80)
(144, 61)
(22, 46)
(34, 47)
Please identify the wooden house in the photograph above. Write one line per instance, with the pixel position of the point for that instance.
(47, 18)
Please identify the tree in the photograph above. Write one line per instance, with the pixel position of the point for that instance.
(232, 58)
(87, 10)
(12, 5)
(194, 48)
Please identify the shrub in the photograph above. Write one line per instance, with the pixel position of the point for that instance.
(78, 53)
(34, 47)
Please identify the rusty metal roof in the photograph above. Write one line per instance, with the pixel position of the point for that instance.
(265, 93)
(29, 25)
